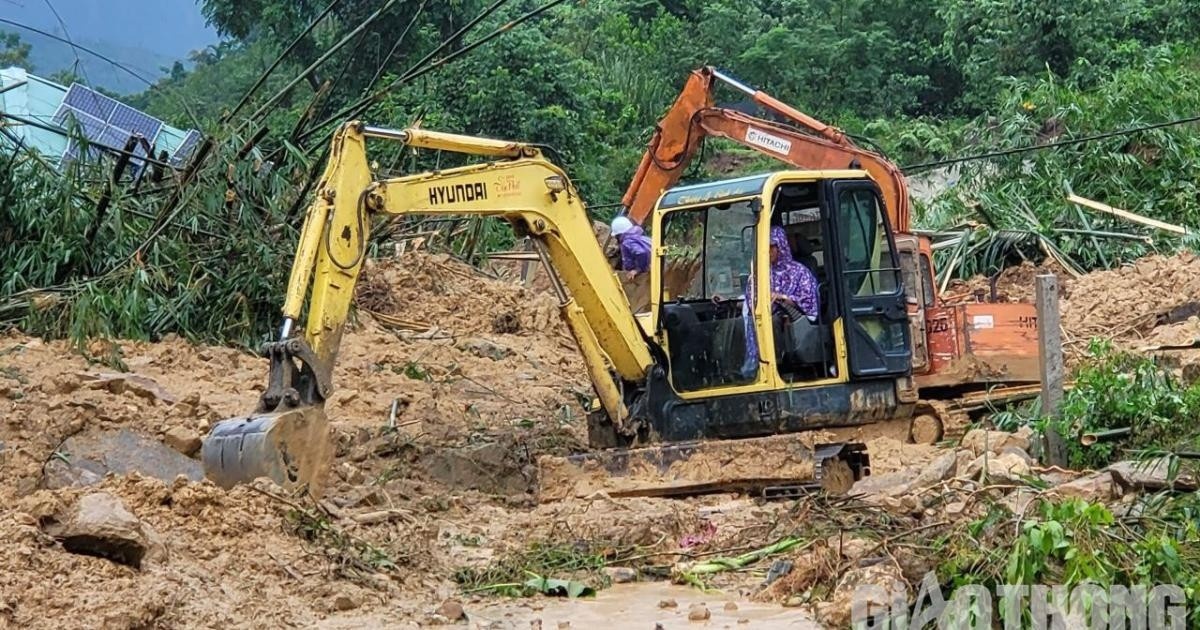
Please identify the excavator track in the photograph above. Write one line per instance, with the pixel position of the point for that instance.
(770, 465)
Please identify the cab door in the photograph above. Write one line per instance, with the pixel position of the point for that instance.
(914, 291)
(873, 304)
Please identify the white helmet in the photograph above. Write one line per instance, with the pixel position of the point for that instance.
(621, 225)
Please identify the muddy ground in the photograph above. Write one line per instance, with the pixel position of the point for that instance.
(482, 377)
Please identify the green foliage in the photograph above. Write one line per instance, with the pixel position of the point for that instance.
(521, 573)
(1073, 542)
(1117, 390)
(14, 52)
(1018, 202)
(214, 272)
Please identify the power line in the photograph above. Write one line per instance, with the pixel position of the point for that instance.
(361, 105)
(1053, 145)
(75, 53)
(79, 47)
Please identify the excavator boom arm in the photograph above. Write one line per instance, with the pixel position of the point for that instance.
(811, 144)
(287, 438)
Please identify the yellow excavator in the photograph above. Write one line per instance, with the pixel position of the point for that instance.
(679, 409)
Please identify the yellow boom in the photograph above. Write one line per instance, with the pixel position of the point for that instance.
(287, 438)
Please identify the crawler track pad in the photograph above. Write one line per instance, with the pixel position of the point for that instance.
(292, 448)
(748, 465)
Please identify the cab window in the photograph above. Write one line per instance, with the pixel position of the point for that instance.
(708, 253)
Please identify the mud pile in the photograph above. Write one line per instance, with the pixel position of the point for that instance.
(1014, 284)
(1132, 300)
(481, 376)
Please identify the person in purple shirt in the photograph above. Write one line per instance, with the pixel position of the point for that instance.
(635, 247)
(791, 282)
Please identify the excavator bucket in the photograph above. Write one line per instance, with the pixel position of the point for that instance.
(292, 448)
(770, 466)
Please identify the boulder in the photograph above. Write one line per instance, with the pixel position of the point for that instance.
(876, 586)
(937, 471)
(1007, 467)
(982, 440)
(183, 440)
(1100, 486)
(621, 575)
(99, 525)
(84, 459)
(1151, 475)
(886, 485)
(901, 482)
(699, 612)
(135, 384)
(452, 610)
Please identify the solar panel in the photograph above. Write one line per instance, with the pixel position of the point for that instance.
(89, 101)
(106, 122)
(125, 117)
(91, 127)
(186, 149)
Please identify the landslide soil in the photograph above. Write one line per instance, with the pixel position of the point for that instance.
(483, 377)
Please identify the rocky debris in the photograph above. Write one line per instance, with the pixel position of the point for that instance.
(493, 467)
(100, 526)
(135, 384)
(183, 440)
(979, 441)
(1151, 475)
(886, 485)
(85, 459)
(668, 603)
(621, 575)
(1099, 486)
(699, 612)
(901, 482)
(345, 601)
(730, 606)
(876, 586)
(1006, 467)
(452, 610)
(851, 549)
(484, 348)
(506, 324)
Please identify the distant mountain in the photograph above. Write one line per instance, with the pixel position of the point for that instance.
(145, 35)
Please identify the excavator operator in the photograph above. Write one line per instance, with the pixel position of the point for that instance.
(635, 247)
(793, 287)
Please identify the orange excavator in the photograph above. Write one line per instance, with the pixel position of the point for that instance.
(966, 356)
(809, 144)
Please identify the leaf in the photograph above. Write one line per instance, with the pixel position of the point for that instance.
(559, 588)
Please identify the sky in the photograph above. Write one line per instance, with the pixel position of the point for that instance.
(142, 34)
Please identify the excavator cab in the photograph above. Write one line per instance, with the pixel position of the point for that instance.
(859, 329)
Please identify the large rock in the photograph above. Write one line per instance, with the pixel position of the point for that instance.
(99, 525)
(1100, 486)
(494, 467)
(184, 440)
(1007, 467)
(136, 384)
(1151, 475)
(876, 586)
(84, 459)
(900, 482)
(982, 440)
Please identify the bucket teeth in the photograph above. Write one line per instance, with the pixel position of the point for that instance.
(291, 448)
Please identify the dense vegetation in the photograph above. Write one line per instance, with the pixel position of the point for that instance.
(922, 81)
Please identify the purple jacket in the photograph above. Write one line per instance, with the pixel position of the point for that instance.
(635, 250)
(788, 278)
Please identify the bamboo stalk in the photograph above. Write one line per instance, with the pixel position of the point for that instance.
(1127, 215)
